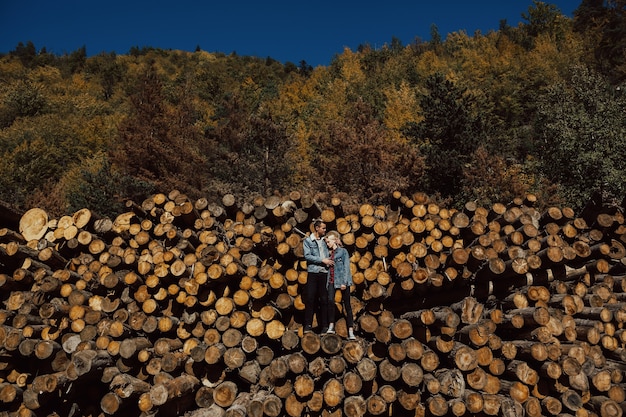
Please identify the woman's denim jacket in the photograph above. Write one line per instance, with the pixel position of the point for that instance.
(343, 274)
(313, 256)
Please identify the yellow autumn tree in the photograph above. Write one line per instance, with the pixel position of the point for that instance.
(350, 63)
(430, 63)
(293, 108)
(402, 107)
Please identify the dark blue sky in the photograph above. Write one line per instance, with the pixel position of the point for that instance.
(313, 31)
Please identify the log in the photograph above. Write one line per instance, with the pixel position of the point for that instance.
(33, 224)
(303, 385)
(409, 399)
(452, 382)
(354, 406)
(464, 357)
(294, 407)
(388, 371)
(225, 394)
(333, 392)
(437, 405)
(239, 407)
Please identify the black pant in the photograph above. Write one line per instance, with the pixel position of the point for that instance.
(316, 299)
(347, 307)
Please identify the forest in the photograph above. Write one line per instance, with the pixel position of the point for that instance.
(485, 117)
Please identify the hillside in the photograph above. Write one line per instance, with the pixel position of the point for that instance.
(536, 108)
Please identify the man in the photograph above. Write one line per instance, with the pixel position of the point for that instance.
(315, 292)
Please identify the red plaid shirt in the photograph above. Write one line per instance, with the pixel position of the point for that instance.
(332, 268)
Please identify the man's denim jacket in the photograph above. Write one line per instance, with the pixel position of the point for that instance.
(313, 256)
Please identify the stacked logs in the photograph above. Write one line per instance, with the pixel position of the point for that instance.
(180, 307)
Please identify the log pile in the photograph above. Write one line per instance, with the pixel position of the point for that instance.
(179, 307)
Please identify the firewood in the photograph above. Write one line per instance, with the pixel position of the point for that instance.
(409, 399)
(437, 405)
(225, 394)
(354, 406)
(294, 406)
(166, 291)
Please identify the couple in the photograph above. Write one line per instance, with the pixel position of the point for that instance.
(328, 270)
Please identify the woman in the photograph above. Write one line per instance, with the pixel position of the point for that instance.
(339, 278)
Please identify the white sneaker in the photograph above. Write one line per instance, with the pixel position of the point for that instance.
(331, 330)
(351, 336)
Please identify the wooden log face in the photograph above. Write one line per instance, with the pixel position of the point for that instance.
(452, 382)
(337, 365)
(304, 385)
(367, 369)
(310, 343)
(388, 371)
(331, 344)
(225, 393)
(352, 382)
(353, 351)
(354, 406)
(333, 393)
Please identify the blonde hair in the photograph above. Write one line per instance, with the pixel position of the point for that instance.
(334, 234)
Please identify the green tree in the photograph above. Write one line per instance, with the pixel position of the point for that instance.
(542, 18)
(435, 36)
(36, 151)
(28, 167)
(249, 151)
(23, 99)
(27, 54)
(74, 62)
(604, 23)
(581, 129)
(305, 69)
(108, 69)
(450, 132)
(490, 178)
(96, 185)
(588, 15)
(396, 45)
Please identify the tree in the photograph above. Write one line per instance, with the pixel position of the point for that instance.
(450, 132)
(249, 149)
(581, 129)
(489, 178)
(158, 144)
(305, 69)
(401, 108)
(109, 71)
(396, 45)
(542, 18)
(435, 36)
(26, 53)
(74, 62)
(589, 15)
(23, 99)
(356, 156)
(95, 184)
(604, 23)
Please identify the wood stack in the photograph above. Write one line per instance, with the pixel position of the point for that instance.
(180, 307)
